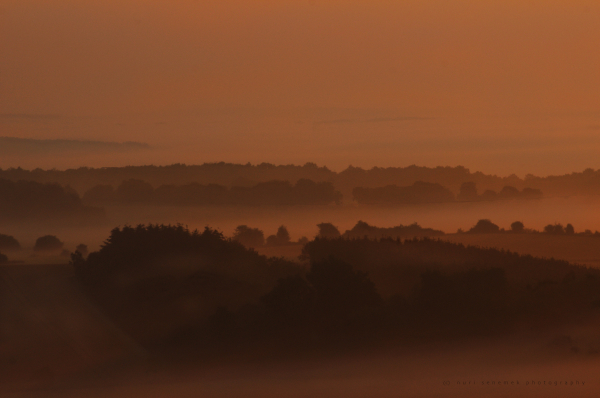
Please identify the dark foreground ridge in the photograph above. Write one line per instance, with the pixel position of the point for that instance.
(169, 288)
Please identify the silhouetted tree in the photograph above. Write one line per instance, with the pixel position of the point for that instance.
(249, 237)
(569, 230)
(517, 227)
(48, 243)
(3, 258)
(484, 227)
(9, 243)
(328, 230)
(283, 236)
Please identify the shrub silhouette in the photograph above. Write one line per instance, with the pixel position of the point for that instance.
(48, 243)
(3, 258)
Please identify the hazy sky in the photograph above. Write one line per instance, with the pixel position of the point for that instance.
(498, 86)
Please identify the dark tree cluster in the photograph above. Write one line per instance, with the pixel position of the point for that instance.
(468, 193)
(463, 289)
(362, 229)
(303, 192)
(419, 192)
(254, 237)
(558, 229)
(29, 200)
(249, 237)
(173, 277)
(228, 174)
(486, 226)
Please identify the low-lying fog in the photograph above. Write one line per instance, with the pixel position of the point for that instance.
(302, 221)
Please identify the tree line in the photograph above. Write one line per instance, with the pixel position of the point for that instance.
(30, 200)
(82, 179)
(486, 226)
(426, 192)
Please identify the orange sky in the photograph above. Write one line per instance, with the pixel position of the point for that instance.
(504, 86)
